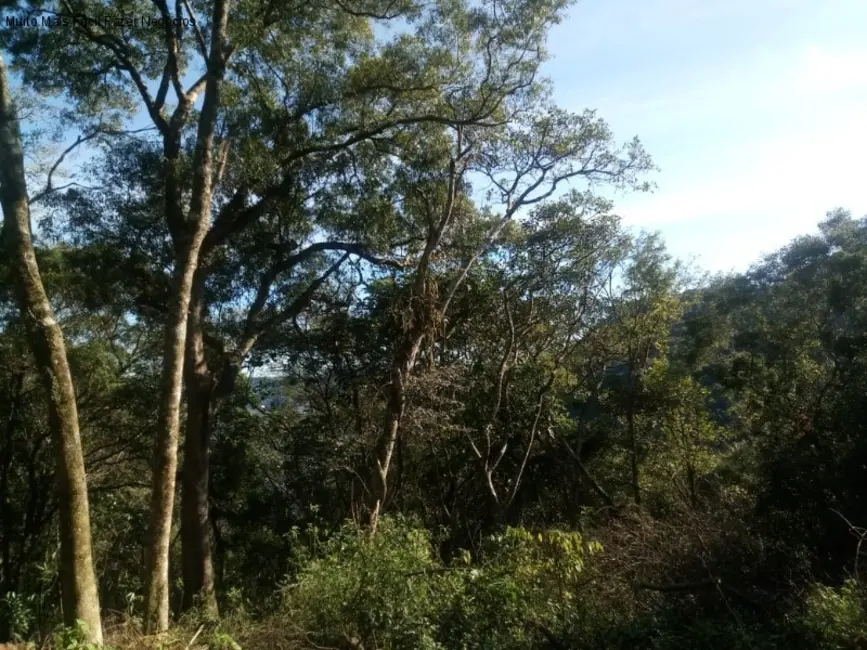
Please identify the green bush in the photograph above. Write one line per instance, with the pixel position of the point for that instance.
(837, 617)
(73, 638)
(393, 592)
(522, 590)
(378, 591)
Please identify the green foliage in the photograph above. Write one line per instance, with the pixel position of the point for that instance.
(18, 610)
(686, 445)
(836, 617)
(73, 638)
(381, 590)
(393, 591)
(392, 239)
(524, 584)
(220, 640)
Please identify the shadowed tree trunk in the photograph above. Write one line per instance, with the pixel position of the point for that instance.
(206, 386)
(80, 598)
(635, 478)
(196, 560)
(8, 579)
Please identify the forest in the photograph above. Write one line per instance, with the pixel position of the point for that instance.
(319, 329)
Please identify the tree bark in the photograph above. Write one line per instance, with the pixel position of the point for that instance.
(409, 347)
(79, 595)
(196, 558)
(187, 234)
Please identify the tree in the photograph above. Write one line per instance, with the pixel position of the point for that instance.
(525, 163)
(686, 445)
(541, 291)
(104, 50)
(644, 312)
(79, 589)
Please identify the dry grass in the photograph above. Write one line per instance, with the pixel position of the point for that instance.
(268, 634)
(123, 633)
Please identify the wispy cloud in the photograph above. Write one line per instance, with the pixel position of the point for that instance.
(773, 182)
(814, 161)
(755, 112)
(828, 71)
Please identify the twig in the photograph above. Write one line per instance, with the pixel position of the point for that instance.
(861, 534)
(195, 636)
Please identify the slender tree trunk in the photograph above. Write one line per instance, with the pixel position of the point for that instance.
(497, 507)
(408, 350)
(693, 488)
(690, 467)
(633, 455)
(165, 460)
(385, 447)
(401, 368)
(80, 598)
(196, 559)
(187, 234)
(585, 475)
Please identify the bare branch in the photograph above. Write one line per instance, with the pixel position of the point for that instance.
(172, 68)
(200, 39)
(119, 49)
(49, 186)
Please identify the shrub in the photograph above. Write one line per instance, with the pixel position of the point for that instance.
(393, 592)
(73, 638)
(377, 591)
(523, 588)
(19, 612)
(837, 617)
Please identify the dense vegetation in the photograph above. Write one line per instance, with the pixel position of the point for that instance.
(357, 295)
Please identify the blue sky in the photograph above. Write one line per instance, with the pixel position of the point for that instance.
(755, 111)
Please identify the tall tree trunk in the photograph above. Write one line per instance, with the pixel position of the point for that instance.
(633, 452)
(165, 460)
(187, 233)
(401, 367)
(80, 598)
(7, 524)
(196, 559)
(409, 347)
(385, 447)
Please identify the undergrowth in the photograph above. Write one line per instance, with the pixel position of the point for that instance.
(522, 590)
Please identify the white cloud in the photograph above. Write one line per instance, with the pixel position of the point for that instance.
(826, 70)
(758, 132)
(814, 161)
(788, 175)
